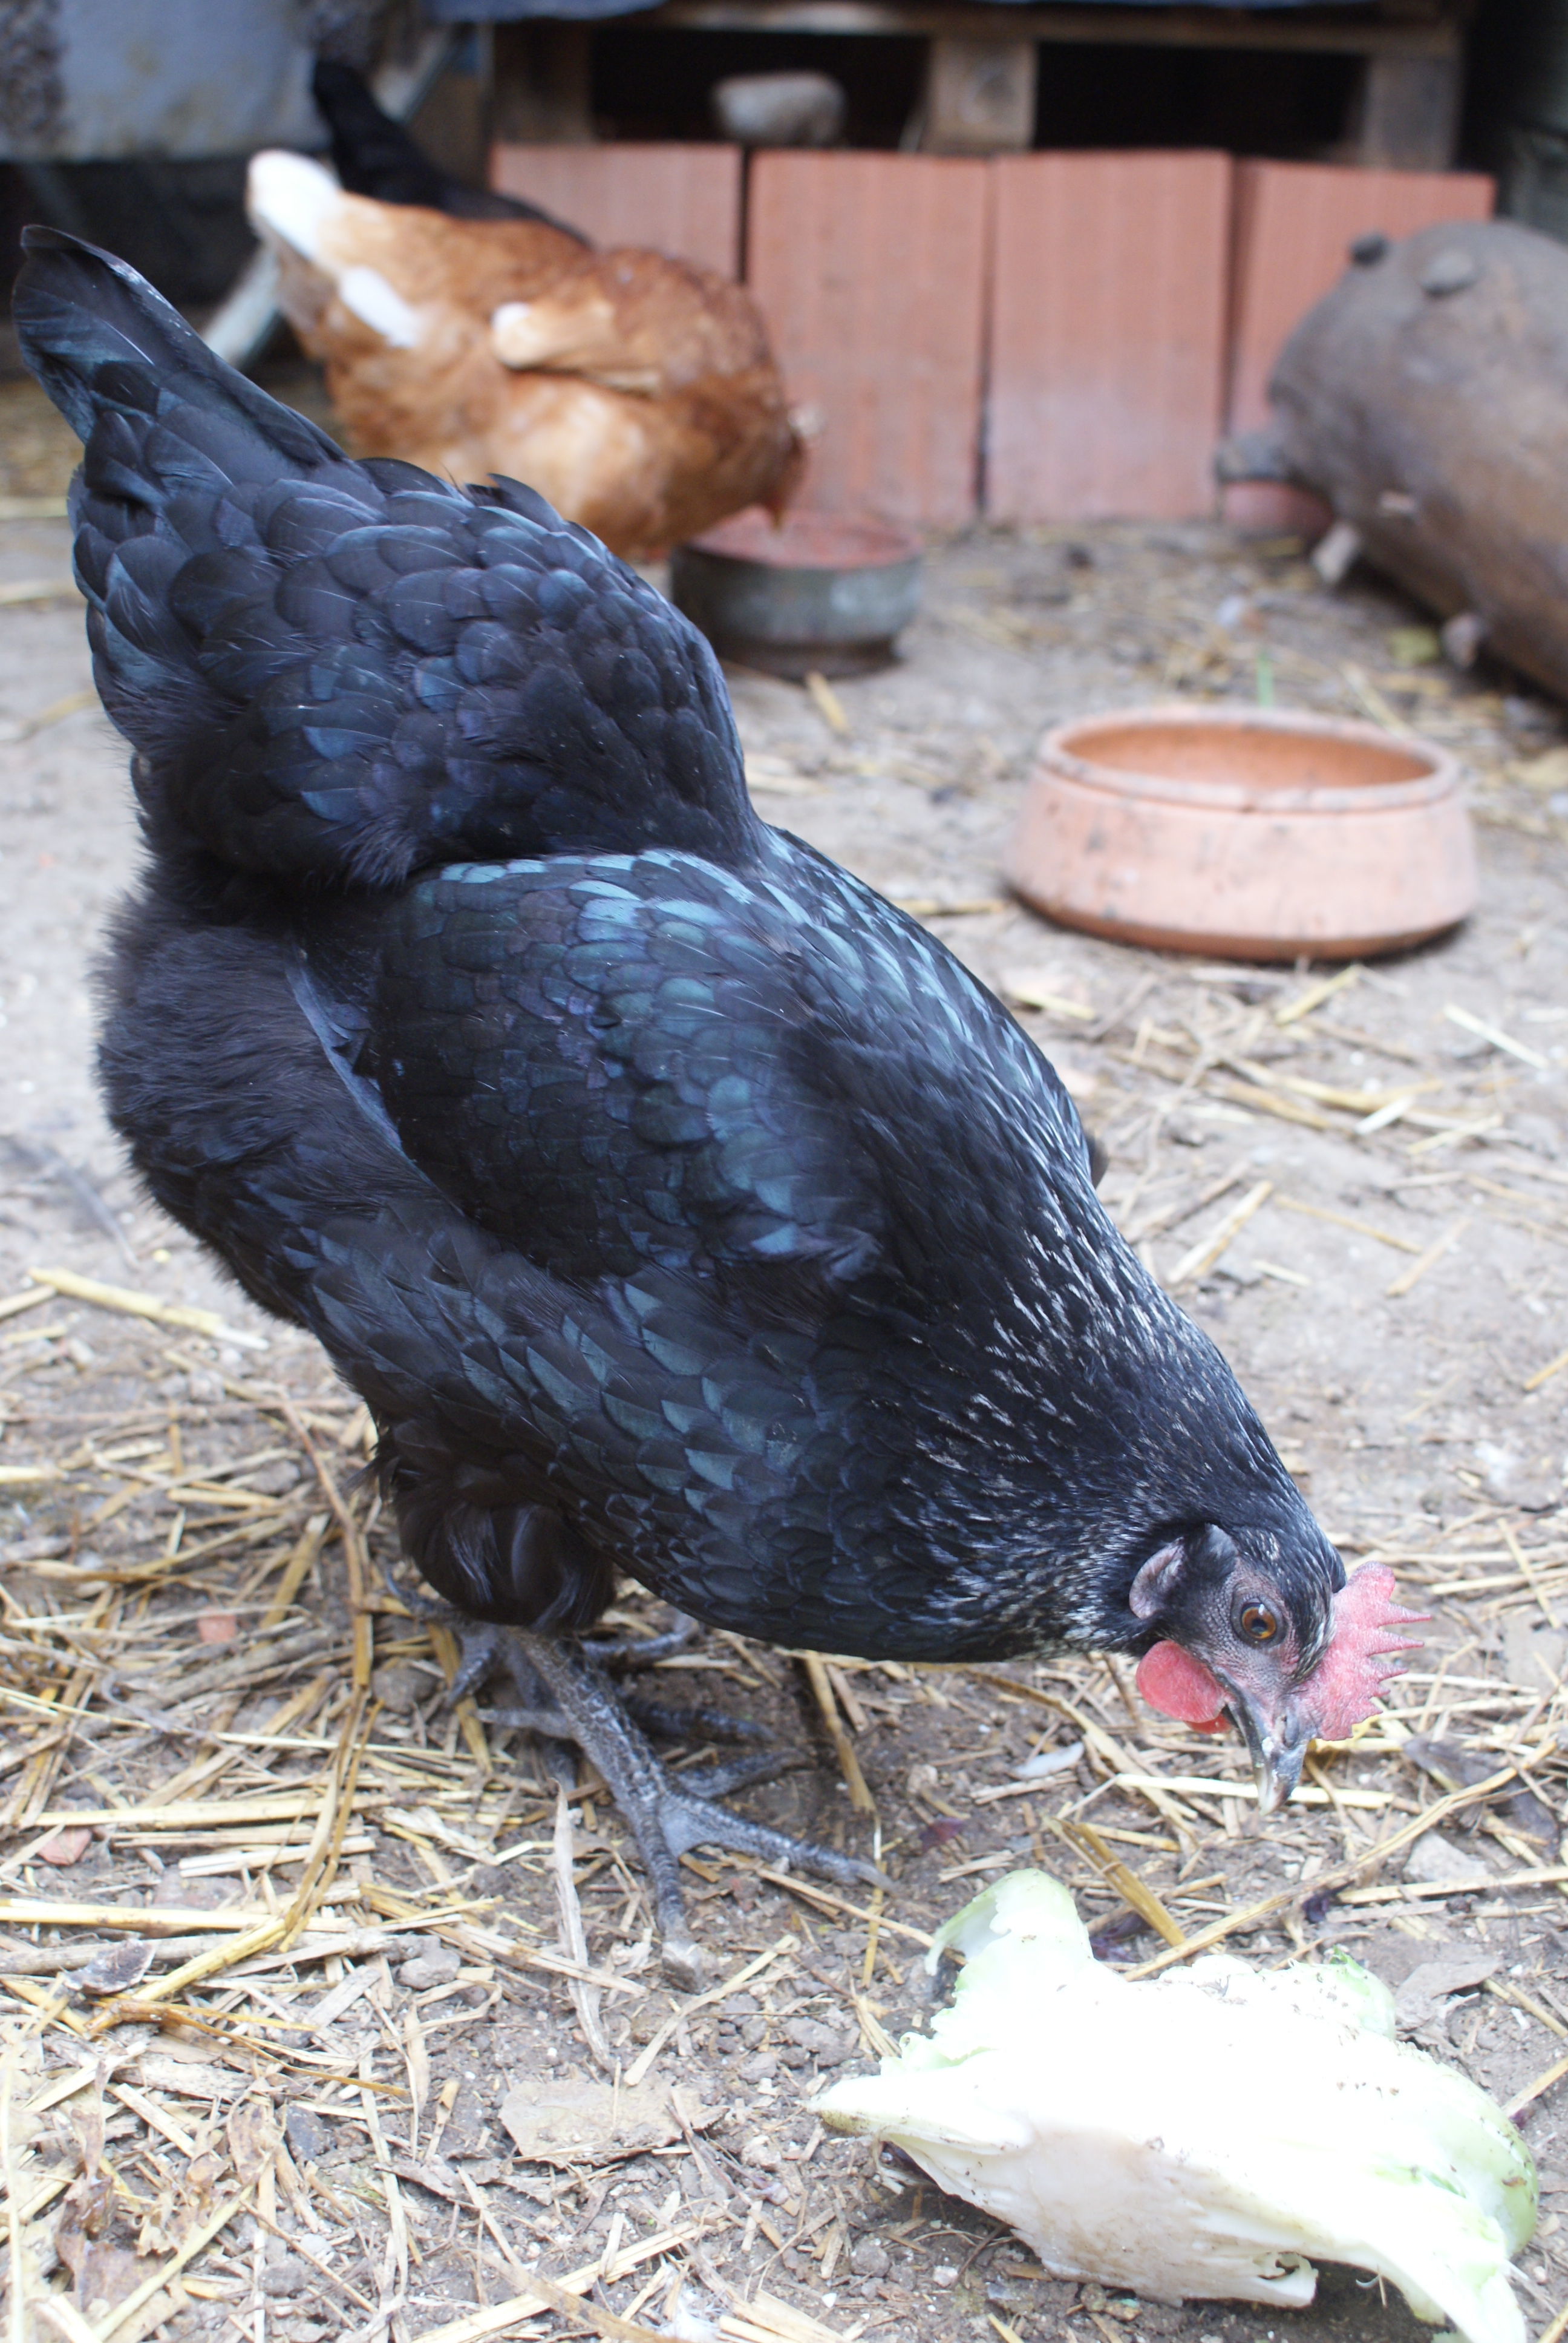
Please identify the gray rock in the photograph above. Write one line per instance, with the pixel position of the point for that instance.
(400, 1687)
(309, 2139)
(1422, 1999)
(1533, 1655)
(779, 109)
(119, 1968)
(1436, 1857)
(274, 1480)
(426, 1970)
(288, 2276)
(870, 2258)
(826, 2044)
(1511, 1481)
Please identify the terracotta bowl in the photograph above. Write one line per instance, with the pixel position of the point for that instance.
(1245, 832)
(820, 592)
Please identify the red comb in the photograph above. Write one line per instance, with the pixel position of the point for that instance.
(1172, 1681)
(1348, 1683)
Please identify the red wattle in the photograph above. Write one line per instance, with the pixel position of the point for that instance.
(1172, 1681)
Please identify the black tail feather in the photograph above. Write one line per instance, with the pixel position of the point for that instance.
(101, 341)
(337, 671)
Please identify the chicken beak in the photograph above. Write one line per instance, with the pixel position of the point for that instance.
(1277, 1746)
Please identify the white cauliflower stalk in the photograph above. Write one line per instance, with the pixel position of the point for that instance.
(1203, 2132)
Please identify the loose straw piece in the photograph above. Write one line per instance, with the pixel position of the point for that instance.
(1496, 1036)
(62, 2315)
(1207, 1252)
(37, 589)
(131, 1303)
(829, 707)
(1348, 1220)
(1316, 994)
(138, 1919)
(1111, 1753)
(809, 1893)
(1343, 1874)
(1528, 1573)
(1434, 1252)
(1086, 1840)
(639, 2068)
(306, 1547)
(29, 1299)
(198, 2237)
(1532, 2091)
(543, 2294)
(1544, 1375)
(1410, 1891)
(353, 1551)
(574, 1936)
(817, 1676)
(320, 1866)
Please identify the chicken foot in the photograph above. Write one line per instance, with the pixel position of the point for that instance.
(667, 1816)
(486, 1648)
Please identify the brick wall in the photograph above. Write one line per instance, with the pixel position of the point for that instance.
(1039, 337)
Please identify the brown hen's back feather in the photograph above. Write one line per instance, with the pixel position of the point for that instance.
(637, 393)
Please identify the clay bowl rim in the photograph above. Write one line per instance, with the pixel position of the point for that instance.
(910, 548)
(1444, 778)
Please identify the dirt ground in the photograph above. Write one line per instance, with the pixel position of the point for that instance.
(399, 2117)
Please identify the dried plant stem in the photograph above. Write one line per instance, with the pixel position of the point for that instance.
(574, 1936)
(1343, 1873)
(354, 1553)
(817, 1676)
(1134, 1892)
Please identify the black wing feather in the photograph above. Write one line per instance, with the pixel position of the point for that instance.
(336, 670)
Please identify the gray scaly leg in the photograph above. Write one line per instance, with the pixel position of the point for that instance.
(667, 1816)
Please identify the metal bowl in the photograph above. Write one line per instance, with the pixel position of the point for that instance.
(818, 593)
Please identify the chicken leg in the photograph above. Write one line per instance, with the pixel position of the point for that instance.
(667, 1817)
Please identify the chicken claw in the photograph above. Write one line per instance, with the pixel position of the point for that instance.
(667, 1816)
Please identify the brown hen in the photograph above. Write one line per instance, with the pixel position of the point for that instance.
(637, 392)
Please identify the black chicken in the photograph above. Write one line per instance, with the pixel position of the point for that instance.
(374, 155)
(678, 1205)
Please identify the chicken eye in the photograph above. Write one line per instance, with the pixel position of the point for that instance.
(1258, 1622)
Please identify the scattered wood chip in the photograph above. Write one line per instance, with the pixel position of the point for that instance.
(64, 1847)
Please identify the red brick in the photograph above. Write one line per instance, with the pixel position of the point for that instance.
(1107, 357)
(681, 199)
(871, 272)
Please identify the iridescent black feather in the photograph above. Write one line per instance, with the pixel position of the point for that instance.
(677, 1204)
